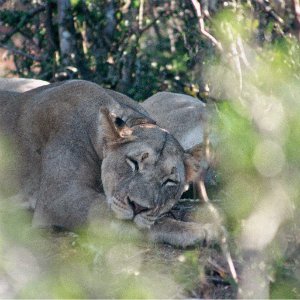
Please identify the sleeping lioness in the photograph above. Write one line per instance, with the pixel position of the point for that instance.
(184, 116)
(79, 146)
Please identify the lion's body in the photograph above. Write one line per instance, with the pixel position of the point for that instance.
(80, 146)
(57, 125)
(183, 116)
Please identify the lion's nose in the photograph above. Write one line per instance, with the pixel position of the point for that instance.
(137, 208)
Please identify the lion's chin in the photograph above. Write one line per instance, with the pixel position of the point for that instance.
(121, 210)
(124, 212)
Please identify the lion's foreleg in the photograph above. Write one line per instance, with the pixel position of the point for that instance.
(183, 234)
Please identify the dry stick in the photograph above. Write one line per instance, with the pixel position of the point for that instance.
(235, 56)
(140, 31)
(269, 10)
(214, 211)
(296, 5)
(23, 21)
(201, 185)
(224, 242)
(141, 13)
(243, 57)
(21, 53)
(126, 5)
(203, 31)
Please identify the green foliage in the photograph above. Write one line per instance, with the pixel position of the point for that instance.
(259, 130)
(189, 272)
(11, 18)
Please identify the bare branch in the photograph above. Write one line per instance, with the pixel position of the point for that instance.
(203, 31)
(141, 13)
(224, 241)
(242, 53)
(23, 21)
(296, 6)
(213, 210)
(20, 52)
(235, 56)
(160, 15)
(269, 10)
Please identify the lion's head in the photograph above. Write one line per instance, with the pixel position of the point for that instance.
(144, 170)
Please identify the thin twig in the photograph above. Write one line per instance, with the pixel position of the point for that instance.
(141, 13)
(235, 56)
(23, 21)
(203, 31)
(213, 210)
(269, 10)
(142, 30)
(125, 42)
(242, 53)
(296, 6)
(21, 53)
(224, 241)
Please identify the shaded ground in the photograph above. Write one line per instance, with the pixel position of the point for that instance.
(66, 265)
(195, 273)
(200, 272)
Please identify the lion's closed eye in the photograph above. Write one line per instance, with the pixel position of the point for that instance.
(134, 165)
(170, 182)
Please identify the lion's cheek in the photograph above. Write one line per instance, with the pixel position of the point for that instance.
(109, 180)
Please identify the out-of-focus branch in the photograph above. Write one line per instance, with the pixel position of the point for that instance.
(235, 56)
(296, 6)
(19, 52)
(217, 217)
(138, 33)
(203, 31)
(141, 13)
(23, 21)
(154, 14)
(240, 46)
(49, 28)
(269, 10)
(142, 30)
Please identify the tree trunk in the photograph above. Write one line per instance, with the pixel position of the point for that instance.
(70, 44)
(66, 32)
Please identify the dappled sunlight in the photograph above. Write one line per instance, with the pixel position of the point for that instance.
(259, 126)
(269, 158)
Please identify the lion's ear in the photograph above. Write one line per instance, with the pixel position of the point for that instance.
(192, 159)
(115, 128)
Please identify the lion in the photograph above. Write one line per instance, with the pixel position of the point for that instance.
(188, 120)
(184, 116)
(80, 147)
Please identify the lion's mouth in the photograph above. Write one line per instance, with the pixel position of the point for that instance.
(137, 208)
(143, 217)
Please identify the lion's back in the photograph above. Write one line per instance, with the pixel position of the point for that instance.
(182, 115)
